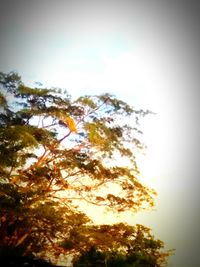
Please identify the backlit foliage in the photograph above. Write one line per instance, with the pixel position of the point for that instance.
(56, 152)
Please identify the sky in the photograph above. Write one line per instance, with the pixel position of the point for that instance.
(147, 54)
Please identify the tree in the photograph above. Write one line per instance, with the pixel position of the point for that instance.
(56, 153)
(130, 246)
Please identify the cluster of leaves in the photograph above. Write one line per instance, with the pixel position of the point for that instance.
(128, 246)
(55, 152)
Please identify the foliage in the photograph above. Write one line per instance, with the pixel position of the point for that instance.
(128, 246)
(56, 153)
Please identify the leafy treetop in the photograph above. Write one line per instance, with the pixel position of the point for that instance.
(55, 153)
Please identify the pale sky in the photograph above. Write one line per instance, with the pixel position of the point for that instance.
(144, 52)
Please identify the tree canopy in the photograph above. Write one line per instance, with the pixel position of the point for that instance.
(56, 153)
